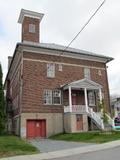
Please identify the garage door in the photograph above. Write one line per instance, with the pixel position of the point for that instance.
(36, 128)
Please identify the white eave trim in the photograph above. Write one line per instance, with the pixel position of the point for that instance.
(68, 55)
(31, 14)
(80, 83)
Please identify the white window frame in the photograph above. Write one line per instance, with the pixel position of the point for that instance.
(87, 73)
(32, 28)
(99, 72)
(91, 98)
(60, 67)
(47, 97)
(50, 95)
(51, 70)
(56, 94)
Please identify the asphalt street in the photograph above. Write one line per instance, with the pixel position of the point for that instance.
(111, 154)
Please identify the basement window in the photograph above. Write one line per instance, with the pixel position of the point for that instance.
(31, 28)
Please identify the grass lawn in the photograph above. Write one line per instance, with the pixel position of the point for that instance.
(90, 137)
(12, 145)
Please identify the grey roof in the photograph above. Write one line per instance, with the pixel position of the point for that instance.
(64, 49)
(83, 83)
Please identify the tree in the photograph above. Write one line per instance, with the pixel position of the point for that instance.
(2, 103)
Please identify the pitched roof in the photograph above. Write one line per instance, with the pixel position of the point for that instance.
(83, 83)
(63, 49)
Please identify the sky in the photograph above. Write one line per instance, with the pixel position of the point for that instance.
(63, 19)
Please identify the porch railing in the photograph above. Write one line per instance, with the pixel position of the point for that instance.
(75, 108)
(78, 108)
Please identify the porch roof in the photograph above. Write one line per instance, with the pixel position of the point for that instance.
(83, 83)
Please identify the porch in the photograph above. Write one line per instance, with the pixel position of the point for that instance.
(80, 96)
(81, 99)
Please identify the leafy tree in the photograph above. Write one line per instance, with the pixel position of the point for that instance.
(2, 103)
(104, 113)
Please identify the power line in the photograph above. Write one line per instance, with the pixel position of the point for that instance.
(84, 26)
(96, 11)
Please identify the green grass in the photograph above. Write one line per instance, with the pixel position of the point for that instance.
(12, 145)
(89, 137)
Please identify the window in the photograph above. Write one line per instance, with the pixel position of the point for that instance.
(56, 97)
(48, 97)
(60, 68)
(31, 28)
(87, 73)
(99, 72)
(52, 97)
(91, 98)
(51, 70)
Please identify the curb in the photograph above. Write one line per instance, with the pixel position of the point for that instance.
(66, 152)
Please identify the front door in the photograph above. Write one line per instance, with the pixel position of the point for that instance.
(79, 122)
(74, 100)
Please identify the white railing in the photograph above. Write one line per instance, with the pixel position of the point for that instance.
(79, 108)
(75, 108)
(66, 109)
(97, 118)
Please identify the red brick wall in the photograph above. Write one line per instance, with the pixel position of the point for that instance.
(64, 60)
(14, 89)
(35, 80)
(26, 35)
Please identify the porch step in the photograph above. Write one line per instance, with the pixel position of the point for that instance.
(98, 127)
(95, 118)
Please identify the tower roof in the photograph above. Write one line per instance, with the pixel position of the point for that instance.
(28, 13)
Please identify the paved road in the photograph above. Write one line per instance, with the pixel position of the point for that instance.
(111, 154)
(47, 145)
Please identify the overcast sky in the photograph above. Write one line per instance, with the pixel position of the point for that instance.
(63, 19)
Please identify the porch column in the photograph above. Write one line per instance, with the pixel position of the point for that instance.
(86, 99)
(100, 94)
(70, 99)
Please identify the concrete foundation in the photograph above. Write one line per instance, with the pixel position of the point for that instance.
(70, 123)
(54, 122)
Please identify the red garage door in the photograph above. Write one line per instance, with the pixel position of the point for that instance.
(36, 128)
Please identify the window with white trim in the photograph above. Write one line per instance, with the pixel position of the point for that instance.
(32, 28)
(50, 70)
(91, 98)
(87, 73)
(60, 67)
(52, 97)
(56, 97)
(48, 97)
(99, 72)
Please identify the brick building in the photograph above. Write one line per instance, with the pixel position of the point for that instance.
(51, 90)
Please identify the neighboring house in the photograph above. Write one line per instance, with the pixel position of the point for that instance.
(115, 105)
(51, 90)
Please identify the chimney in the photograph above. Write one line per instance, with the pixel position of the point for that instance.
(9, 61)
(30, 25)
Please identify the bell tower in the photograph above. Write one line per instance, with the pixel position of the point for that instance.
(30, 25)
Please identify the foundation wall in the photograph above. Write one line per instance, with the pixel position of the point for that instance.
(54, 122)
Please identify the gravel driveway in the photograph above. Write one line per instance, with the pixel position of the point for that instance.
(47, 145)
